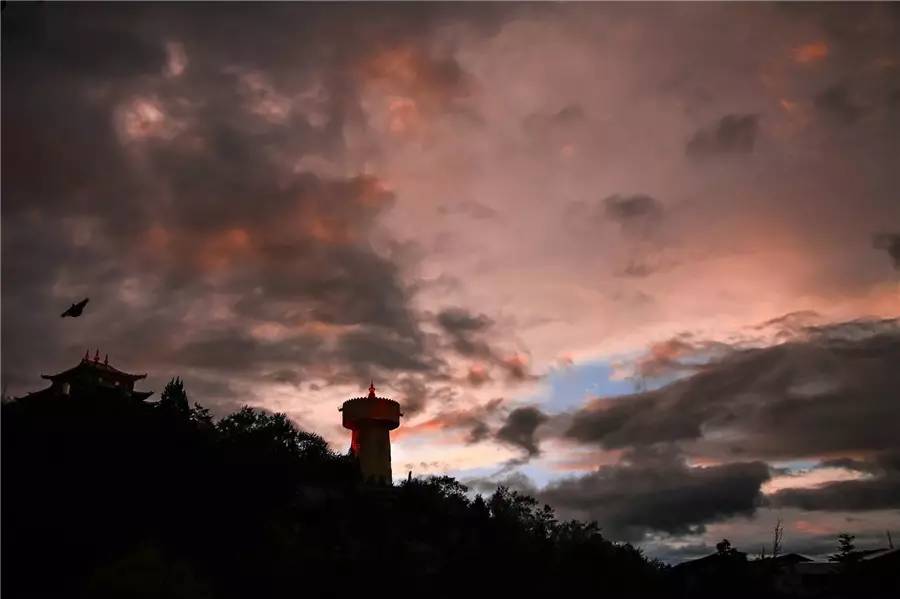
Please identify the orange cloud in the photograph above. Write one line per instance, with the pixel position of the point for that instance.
(516, 366)
(407, 85)
(810, 53)
(818, 528)
(220, 250)
(145, 118)
(328, 230)
(429, 426)
(375, 192)
(397, 64)
(788, 105)
(156, 240)
(330, 224)
(586, 462)
(404, 116)
(811, 479)
(478, 375)
(471, 420)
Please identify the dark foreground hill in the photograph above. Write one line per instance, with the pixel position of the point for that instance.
(107, 497)
(110, 498)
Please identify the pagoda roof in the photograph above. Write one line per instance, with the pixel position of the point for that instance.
(94, 365)
(48, 393)
(372, 395)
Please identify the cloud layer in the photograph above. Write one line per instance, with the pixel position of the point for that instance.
(484, 208)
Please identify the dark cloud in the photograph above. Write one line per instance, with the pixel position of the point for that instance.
(637, 214)
(879, 489)
(637, 269)
(158, 190)
(371, 347)
(517, 368)
(732, 134)
(464, 330)
(890, 243)
(848, 495)
(633, 420)
(236, 351)
(573, 113)
(414, 394)
(829, 391)
(456, 320)
(474, 420)
(478, 432)
(628, 209)
(565, 120)
(676, 356)
(838, 103)
(791, 325)
(894, 99)
(285, 375)
(520, 427)
(659, 492)
(640, 220)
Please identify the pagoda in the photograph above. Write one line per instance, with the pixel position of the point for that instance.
(92, 378)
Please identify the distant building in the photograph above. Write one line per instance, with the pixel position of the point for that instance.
(873, 573)
(371, 419)
(691, 575)
(92, 378)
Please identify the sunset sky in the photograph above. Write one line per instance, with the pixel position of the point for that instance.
(639, 260)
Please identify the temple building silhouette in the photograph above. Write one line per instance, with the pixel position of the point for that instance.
(92, 378)
(371, 419)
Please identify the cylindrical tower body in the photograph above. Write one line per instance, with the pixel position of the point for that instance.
(371, 419)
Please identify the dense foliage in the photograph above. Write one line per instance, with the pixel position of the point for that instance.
(104, 497)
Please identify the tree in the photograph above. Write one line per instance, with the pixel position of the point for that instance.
(201, 416)
(846, 549)
(723, 547)
(274, 431)
(777, 536)
(174, 398)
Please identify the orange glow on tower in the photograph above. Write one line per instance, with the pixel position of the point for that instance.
(371, 419)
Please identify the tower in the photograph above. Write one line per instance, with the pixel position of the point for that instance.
(371, 419)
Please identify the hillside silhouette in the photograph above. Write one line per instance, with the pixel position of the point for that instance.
(104, 497)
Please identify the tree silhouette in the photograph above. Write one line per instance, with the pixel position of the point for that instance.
(777, 536)
(174, 398)
(846, 549)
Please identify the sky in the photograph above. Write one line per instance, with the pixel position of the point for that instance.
(641, 261)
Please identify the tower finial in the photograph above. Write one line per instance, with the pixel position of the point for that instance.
(97, 355)
(87, 355)
(372, 390)
(106, 360)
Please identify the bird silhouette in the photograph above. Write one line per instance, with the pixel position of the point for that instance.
(75, 310)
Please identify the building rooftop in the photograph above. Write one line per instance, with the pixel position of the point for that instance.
(94, 365)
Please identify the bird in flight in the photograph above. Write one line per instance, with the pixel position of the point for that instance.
(75, 309)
